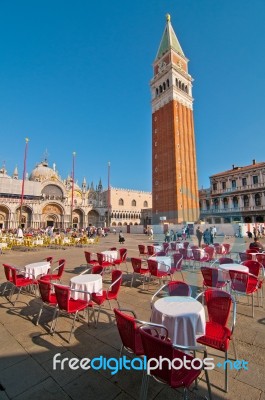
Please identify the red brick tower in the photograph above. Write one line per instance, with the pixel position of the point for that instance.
(174, 180)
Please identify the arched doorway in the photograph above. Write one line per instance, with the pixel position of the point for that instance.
(26, 217)
(93, 218)
(4, 217)
(52, 215)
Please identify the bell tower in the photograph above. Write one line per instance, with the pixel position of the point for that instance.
(174, 171)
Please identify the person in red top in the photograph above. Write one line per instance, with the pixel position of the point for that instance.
(256, 245)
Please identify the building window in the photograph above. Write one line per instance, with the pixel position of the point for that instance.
(255, 179)
(246, 201)
(145, 204)
(133, 203)
(214, 186)
(223, 185)
(257, 199)
(244, 181)
(233, 184)
(216, 204)
(121, 202)
(235, 202)
(207, 205)
(225, 203)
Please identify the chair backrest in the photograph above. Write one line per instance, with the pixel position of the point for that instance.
(260, 257)
(113, 248)
(210, 276)
(244, 256)
(8, 272)
(196, 254)
(150, 250)
(61, 266)
(227, 247)
(152, 266)
(97, 269)
(129, 332)
(49, 259)
(226, 260)
(45, 288)
(173, 246)
(141, 248)
(184, 253)
(253, 266)
(161, 253)
(186, 244)
(219, 249)
(116, 278)
(218, 304)
(194, 247)
(165, 247)
(210, 251)
(177, 261)
(62, 294)
(239, 280)
(178, 288)
(155, 347)
(252, 250)
(14, 275)
(136, 264)
(123, 254)
(101, 258)
(88, 256)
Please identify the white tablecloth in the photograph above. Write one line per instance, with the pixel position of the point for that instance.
(184, 317)
(225, 268)
(158, 247)
(91, 283)
(37, 269)
(110, 255)
(3, 245)
(164, 262)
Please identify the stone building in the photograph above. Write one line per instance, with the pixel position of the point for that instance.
(49, 200)
(235, 195)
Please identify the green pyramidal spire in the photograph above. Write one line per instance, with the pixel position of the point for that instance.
(169, 41)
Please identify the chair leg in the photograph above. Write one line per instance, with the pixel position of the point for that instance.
(99, 309)
(252, 305)
(144, 386)
(226, 373)
(234, 346)
(73, 324)
(208, 384)
(132, 280)
(38, 319)
(56, 310)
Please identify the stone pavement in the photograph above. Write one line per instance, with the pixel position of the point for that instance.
(27, 350)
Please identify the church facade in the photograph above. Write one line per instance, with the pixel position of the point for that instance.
(49, 200)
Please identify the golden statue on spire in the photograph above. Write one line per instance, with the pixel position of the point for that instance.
(168, 17)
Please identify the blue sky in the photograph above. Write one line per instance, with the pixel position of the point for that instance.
(74, 76)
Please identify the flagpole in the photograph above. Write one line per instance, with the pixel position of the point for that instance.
(108, 222)
(23, 182)
(73, 184)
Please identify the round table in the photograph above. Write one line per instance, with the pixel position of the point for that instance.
(225, 268)
(37, 269)
(110, 255)
(164, 262)
(90, 283)
(184, 317)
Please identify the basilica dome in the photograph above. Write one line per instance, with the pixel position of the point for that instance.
(43, 172)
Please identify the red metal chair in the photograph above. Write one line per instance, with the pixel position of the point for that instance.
(260, 257)
(128, 327)
(137, 264)
(241, 284)
(226, 260)
(19, 281)
(157, 347)
(177, 264)
(209, 250)
(244, 256)
(48, 299)
(110, 294)
(218, 335)
(227, 247)
(96, 269)
(173, 288)
(256, 268)
(198, 258)
(165, 247)
(9, 279)
(55, 277)
(151, 250)
(103, 262)
(211, 278)
(142, 250)
(252, 250)
(185, 256)
(122, 258)
(68, 305)
(156, 273)
(186, 245)
(89, 259)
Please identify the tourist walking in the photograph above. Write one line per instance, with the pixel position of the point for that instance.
(199, 235)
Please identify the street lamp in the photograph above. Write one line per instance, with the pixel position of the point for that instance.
(23, 182)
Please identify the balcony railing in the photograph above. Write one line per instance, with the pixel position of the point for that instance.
(232, 210)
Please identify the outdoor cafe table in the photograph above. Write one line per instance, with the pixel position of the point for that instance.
(164, 262)
(37, 269)
(184, 317)
(225, 268)
(110, 255)
(90, 283)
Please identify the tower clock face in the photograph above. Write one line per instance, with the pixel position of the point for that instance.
(161, 66)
